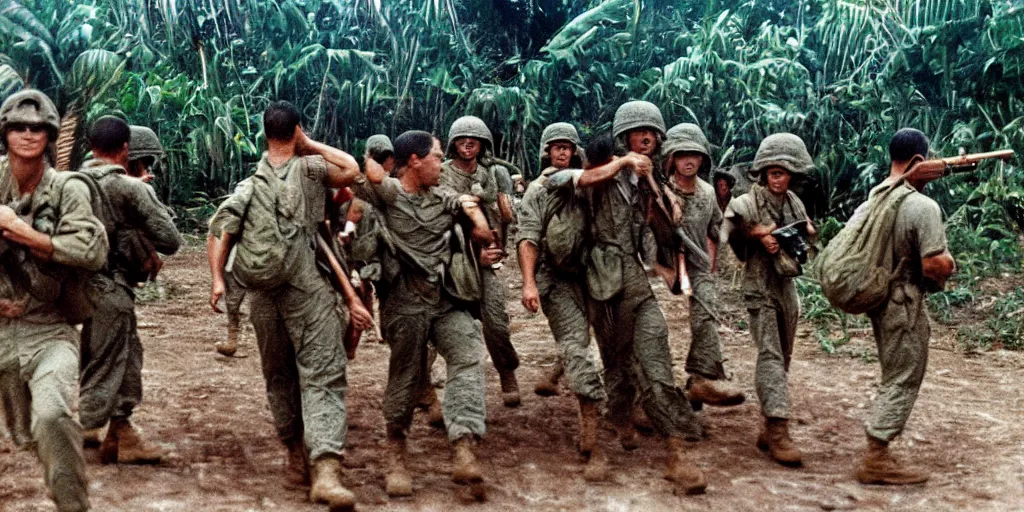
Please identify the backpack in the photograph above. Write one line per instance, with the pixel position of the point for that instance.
(565, 224)
(856, 269)
(267, 254)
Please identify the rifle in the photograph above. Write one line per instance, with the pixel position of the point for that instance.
(329, 253)
(663, 220)
(956, 164)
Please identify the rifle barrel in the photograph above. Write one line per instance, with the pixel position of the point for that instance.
(1004, 154)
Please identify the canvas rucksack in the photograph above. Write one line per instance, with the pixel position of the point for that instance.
(267, 253)
(565, 227)
(856, 269)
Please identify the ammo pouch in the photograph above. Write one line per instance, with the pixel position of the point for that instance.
(462, 275)
(604, 272)
(786, 265)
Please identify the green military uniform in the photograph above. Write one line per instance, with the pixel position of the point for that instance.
(485, 184)
(562, 295)
(111, 366)
(771, 298)
(39, 349)
(701, 221)
(298, 325)
(418, 310)
(901, 325)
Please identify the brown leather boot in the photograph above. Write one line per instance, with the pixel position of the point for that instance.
(327, 486)
(629, 438)
(712, 392)
(92, 437)
(681, 470)
(597, 466)
(435, 413)
(509, 388)
(229, 347)
(466, 470)
(297, 464)
(548, 386)
(123, 445)
(588, 424)
(640, 419)
(775, 440)
(397, 481)
(880, 467)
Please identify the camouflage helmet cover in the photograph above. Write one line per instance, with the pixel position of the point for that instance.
(556, 132)
(379, 144)
(783, 150)
(32, 107)
(470, 126)
(687, 137)
(144, 143)
(637, 114)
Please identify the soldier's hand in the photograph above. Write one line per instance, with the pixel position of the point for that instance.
(216, 292)
(10, 308)
(531, 297)
(360, 317)
(7, 217)
(642, 165)
(770, 244)
(490, 256)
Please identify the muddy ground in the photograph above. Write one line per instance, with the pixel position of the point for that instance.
(210, 412)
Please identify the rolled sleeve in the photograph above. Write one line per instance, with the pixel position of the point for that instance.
(229, 215)
(531, 214)
(928, 227)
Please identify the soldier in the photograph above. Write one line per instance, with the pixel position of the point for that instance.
(49, 238)
(420, 307)
(471, 170)
(560, 292)
(630, 327)
(111, 366)
(723, 183)
(294, 311)
(768, 288)
(688, 155)
(901, 325)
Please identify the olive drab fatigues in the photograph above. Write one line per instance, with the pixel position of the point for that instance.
(39, 349)
(298, 325)
(562, 298)
(418, 310)
(702, 220)
(901, 325)
(493, 306)
(630, 327)
(111, 365)
(771, 299)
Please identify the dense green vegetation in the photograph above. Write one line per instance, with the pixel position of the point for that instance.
(843, 74)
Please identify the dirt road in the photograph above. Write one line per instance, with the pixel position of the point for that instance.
(211, 414)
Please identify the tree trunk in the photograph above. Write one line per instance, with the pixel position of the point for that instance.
(66, 140)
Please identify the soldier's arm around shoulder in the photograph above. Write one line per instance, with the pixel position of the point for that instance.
(156, 220)
(79, 238)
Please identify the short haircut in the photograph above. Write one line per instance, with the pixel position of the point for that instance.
(600, 150)
(381, 155)
(280, 120)
(109, 134)
(412, 142)
(908, 143)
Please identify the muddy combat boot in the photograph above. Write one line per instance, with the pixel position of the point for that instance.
(640, 419)
(629, 438)
(297, 464)
(597, 466)
(682, 471)
(880, 467)
(92, 438)
(548, 385)
(229, 347)
(465, 470)
(397, 481)
(509, 388)
(430, 402)
(712, 392)
(588, 425)
(123, 445)
(775, 440)
(327, 488)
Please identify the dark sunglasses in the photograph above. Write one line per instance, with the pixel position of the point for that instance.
(31, 128)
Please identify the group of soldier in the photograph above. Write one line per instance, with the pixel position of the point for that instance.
(427, 224)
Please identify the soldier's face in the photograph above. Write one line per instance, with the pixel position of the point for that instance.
(140, 169)
(643, 141)
(389, 164)
(687, 163)
(778, 180)
(561, 154)
(468, 148)
(429, 167)
(27, 141)
(722, 188)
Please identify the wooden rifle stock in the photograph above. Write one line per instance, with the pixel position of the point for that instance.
(961, 163)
